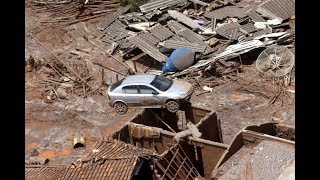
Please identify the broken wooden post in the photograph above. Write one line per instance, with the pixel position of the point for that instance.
(213, 24)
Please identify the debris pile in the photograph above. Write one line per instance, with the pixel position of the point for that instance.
(69, 11)
(218, 32)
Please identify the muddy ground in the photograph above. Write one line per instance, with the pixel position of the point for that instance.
(50, 127)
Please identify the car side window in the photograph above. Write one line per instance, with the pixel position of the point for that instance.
(146, 90)
(130, 89)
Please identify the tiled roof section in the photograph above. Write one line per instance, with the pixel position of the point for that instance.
(161, 32)
(159, 4)
(115, 149)
(282, 9)
(109, 169)
(42, 172)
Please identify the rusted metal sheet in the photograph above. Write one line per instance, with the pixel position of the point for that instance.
(184, 19)
(281, 9)
(255, 16)
(228, 11)
(227, 29)
(159, 4)
(160, 32)
(42, 172)
(147, 48)
(113, 17)
(180, 44)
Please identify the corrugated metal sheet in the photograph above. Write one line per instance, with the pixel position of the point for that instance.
(259, 33)
(255, 17)
(149, 38)
(159, 4)
(248, 28)
(228, 11)
(282, 9)
(226, 30)
(147, 48)
(184, 19)
(115, 28)
(180, 44)
(42, 172)
(110, 169)
(113, 17)
(115, 31)
(188, 35)
(161, 32)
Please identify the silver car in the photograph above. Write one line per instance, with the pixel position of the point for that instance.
(148, 91)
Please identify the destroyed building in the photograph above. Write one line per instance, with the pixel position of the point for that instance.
(228, 38)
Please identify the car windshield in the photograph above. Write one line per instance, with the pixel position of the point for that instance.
(116, 84)
(161, 83)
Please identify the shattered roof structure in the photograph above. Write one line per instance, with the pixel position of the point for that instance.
(281, 9)
(42, 172)
(111, 159)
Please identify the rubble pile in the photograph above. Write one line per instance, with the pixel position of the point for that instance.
(69, 11)
(219, 32)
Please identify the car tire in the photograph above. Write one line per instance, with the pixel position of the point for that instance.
(121, 108)
(172, 106)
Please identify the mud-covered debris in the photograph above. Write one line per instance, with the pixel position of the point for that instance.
(61, 92)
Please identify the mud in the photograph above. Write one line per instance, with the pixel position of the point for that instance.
(51, 127)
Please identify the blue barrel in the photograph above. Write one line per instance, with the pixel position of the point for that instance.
(180, 59)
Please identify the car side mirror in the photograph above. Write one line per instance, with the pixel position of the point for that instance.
(155, 93)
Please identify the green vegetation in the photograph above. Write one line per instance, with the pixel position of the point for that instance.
(134, 4)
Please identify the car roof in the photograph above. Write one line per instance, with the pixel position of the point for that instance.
(143, 78)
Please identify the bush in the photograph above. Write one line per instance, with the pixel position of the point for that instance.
(134, 4)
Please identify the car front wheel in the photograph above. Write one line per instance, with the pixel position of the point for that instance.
(172, 106)
(120, 108)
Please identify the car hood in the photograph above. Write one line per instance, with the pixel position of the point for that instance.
(179, 87)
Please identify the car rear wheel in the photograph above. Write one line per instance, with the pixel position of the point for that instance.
(172, 106)
(120, 108)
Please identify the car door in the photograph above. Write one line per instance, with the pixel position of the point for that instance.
(149, 96)
(130, 95)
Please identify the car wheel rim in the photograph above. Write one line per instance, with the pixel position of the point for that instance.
(120, 108)
(173, 106)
